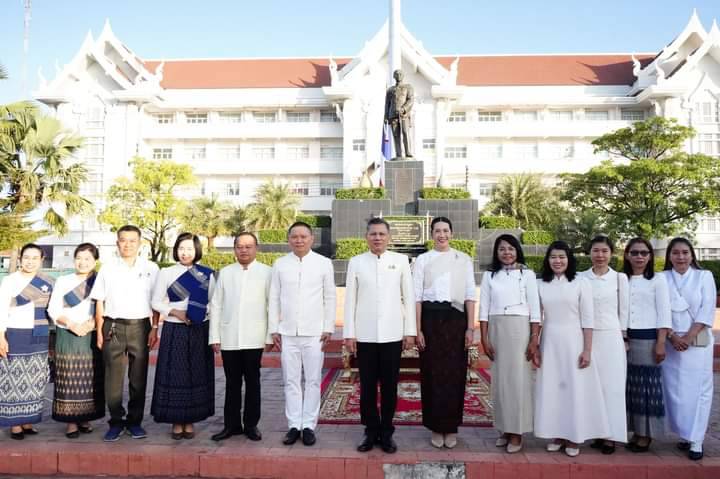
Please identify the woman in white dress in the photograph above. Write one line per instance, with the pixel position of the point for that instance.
(610, 317)
(570, 406)
(648, 324)
(688, 367)
(510, 326)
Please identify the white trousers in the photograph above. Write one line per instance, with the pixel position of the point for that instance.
(302, 354)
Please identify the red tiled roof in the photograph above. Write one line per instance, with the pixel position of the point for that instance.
(511, 70)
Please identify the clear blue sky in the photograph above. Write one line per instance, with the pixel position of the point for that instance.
(267, 28)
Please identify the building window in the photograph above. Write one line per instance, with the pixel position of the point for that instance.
(264, 116)
(708, 254)
(232, 189)
(229, 152)
(298, 152)
(328, 116)
(706, 112)
(195, 153)
(358, 145)
(452, 152)
(561, 115)
(527, 151)
(164, 118)
(561, 150)
(300, 189)
(632, 115)
(162, 153)
(331, 152)
(485, 189)
(456, 117)
(490, 150)
(709, 225)
(93, 181)
(94, 147)
(95, 117)
(298, 117)
(489, 116)
(230, 117)
(710, 144)
(428, 145)
(525, 115)
(597, 115)
(264, 153)
(329, 189)
(196, 118)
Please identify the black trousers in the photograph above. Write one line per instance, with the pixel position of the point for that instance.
(378, 362)
(239, 365)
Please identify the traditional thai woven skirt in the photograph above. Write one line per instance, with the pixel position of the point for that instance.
(23, 377)
(184, 389)
(644, 391)
(79, 378)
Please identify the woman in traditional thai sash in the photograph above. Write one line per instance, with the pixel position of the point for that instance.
(445, 315)
(610, 300)
(648, 324)
(510, 325)
(79, 375)
(688, 367)
(24, 296)
(184, 390)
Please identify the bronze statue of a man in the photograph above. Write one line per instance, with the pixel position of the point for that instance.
(398, 107)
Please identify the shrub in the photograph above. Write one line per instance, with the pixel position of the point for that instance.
(217, 261)
(268, 258)
(464, 245)
(360, 194)
(444, 194)
(272, 236)
(346, 248)
(712, 265)
(535, 262)
(538, 237)
(658, 266)
(316, 221)
(498, 222)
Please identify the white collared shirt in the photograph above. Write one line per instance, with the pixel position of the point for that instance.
(302, 296)
(18, 317)
(697, 288)
(379, 298)
(126, 290)
(440, 289)
(610, 297)
(649, 303)
(507, 292)
(77, 314)
(161, 303)
(239, 307)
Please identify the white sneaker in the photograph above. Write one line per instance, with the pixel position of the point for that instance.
(501, 441)
(437, 440)
(450, 440)
(553, 447)
(572, 451)
(513, 448)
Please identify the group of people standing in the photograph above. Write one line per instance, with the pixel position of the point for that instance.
(598, 340)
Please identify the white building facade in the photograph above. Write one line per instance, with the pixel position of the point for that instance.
(317, 123)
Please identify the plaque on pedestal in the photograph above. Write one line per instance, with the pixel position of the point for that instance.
(403, 182)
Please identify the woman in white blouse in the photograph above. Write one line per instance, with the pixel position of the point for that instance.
(610, 299)
(80, 376)
(688, 367)
(648, 324)
(445, 314)
(510, 324)
(570, 406)
(184, 391)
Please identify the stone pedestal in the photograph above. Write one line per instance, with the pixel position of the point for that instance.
(403, 182)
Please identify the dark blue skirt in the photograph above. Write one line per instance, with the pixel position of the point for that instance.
(184, 389)
(23, 377)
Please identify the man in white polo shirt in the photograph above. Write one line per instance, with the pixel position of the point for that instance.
(301, 321)
(123, 290)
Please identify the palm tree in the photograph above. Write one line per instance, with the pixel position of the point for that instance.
(3, 73)
(275, 207)
(524, 198)
(207, 217)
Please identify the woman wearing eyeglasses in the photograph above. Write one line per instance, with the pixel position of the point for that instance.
(510, 326)
(688, 367)
(648, 324)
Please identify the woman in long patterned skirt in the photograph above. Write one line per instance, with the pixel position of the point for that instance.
(648, 324)
(184, 390)
(24, 371)
(445, 315)
(79, 375)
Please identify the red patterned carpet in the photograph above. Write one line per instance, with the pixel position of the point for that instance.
(341, 398)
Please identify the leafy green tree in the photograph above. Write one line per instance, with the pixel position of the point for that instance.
(3, 73)
(148, 201)
(525, 198)
(207, 217)
(235, 222)
(275, 207)
(654, 189)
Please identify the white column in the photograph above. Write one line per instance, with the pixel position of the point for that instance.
(394, 51)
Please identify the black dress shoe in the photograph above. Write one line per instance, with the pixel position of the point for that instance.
(388, 445)
(695, 456)
(18, 436)
(253, 433)
(226, 433)
(291, 437)
(73, 435)
(608, 449)
(31, 431)
(597, 444)
(308, 436)
(683, 445)
(367, 443)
